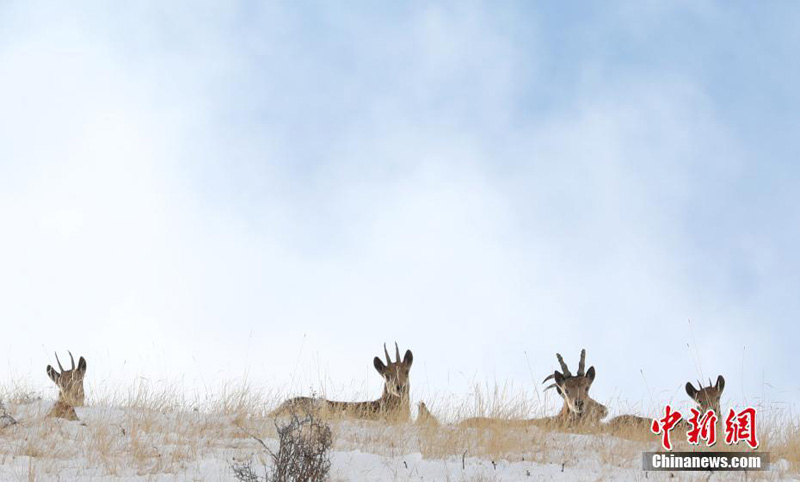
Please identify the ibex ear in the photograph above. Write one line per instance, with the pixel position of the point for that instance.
(379, 365)
(690, 390)
(408, 358)
(590, 373)
(558, 377)
(53, 374)
(82, 365)
(720, 384)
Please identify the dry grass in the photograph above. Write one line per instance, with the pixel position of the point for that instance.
(150, 430)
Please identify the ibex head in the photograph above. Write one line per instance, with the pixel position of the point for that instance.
(395, 374)
(707, 398)
(574, 389)
(69, 382)
(425, 417)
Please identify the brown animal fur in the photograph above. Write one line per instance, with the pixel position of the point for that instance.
(579, 409)
(70, 388)
(392, 405)
(425, 417)
(706, 398)
(63, 410)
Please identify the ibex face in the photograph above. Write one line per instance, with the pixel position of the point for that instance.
(69, 382)
(707, 398)
(395, 374)
(574, 389)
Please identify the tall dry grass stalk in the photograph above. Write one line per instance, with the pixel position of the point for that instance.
(152, 429)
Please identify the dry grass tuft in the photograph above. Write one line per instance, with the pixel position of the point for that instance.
(153, 429)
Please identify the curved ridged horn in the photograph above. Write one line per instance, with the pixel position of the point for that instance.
(386, 352)
(563, 365)
(59, 363)
(582, 363)
(71, 359)
(397, 352)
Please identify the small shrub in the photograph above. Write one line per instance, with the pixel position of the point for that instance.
(303, 455)
(5, 418)
(244, 472)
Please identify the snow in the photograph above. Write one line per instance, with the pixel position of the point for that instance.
(138, 444)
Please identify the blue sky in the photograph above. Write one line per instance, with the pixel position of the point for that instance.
(197, 191)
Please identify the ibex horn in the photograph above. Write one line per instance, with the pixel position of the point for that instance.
(582, 363)
(59, 363)
(71, 359)
(550, 376)
(386, 352)
(397, 352)
(563, 365)
(552, 385)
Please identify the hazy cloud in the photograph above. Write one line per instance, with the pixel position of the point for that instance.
(204, 191)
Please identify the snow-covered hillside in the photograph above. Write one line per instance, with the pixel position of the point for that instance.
(160, 443)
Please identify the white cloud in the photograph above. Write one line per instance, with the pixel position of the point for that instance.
(201, 202)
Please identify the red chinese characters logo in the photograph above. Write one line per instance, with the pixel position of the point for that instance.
(741, 427)
(702, 428)
(664, 425)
